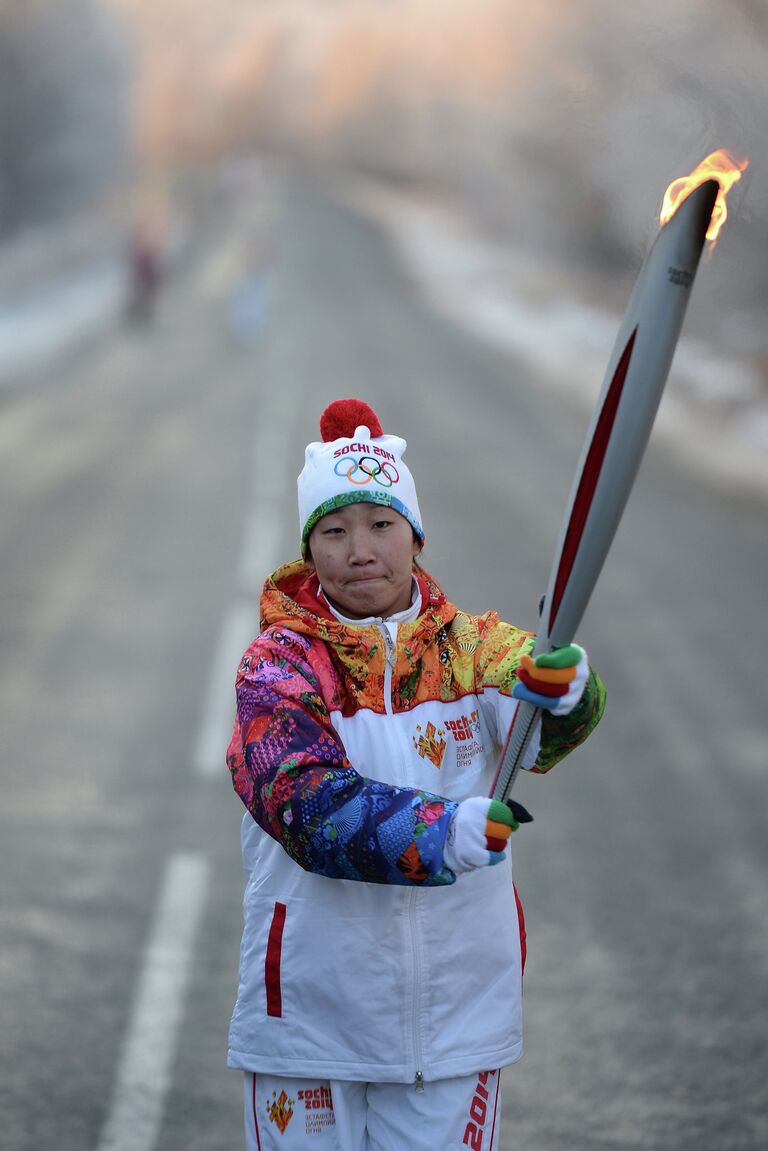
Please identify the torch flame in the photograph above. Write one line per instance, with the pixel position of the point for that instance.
(720, 166)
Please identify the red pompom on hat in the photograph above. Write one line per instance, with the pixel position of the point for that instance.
(343, 417)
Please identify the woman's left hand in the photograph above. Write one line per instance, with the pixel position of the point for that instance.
(555, 680)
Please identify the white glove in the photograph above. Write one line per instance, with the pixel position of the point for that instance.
(479, 830)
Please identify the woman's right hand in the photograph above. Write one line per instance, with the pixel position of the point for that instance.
(479, 831)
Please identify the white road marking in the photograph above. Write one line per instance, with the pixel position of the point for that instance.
(241, 626)
(261, 543)
(270, 491)
(260, 555)
(144, 1071)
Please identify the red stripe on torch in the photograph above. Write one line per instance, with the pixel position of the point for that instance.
(589, 478)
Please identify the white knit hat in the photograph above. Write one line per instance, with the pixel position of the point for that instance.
(354, 463)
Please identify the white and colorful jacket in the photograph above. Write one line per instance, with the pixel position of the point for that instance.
(363, 957)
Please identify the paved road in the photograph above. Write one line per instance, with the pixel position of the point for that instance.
(146, 489)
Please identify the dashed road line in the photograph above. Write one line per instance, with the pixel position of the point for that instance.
(145, 1067)
(260, 555)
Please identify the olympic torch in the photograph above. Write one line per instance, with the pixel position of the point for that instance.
(694, 210)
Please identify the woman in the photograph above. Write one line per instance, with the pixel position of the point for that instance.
(382, 953)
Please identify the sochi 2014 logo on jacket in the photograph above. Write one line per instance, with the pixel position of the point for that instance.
(280, 1110)
(318, 1108)
(430, 744)
(466, 732)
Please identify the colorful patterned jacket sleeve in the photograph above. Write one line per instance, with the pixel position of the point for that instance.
(561, 734)
(501, 650)
(291, 771)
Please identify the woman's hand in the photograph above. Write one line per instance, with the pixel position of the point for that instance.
(555, 680)
(479, 830)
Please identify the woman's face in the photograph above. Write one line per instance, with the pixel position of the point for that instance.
(363, 555)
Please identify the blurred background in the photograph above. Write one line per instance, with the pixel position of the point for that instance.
(214, 219)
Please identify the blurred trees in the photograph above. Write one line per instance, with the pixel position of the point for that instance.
(64, 129)
(557, 124)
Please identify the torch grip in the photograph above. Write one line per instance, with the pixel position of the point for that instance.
(515, 747)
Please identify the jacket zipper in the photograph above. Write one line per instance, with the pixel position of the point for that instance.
(389, 665)
(418, 1081)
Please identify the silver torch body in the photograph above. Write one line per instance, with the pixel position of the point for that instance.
(615, 441)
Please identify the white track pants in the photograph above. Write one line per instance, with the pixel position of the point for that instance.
(333, 1115)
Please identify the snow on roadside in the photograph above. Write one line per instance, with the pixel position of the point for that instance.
(714, 414)
(35, 332)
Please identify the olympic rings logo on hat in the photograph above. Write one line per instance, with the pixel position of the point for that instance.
(369, 468)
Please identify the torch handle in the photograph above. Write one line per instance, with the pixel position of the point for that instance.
(513, 753)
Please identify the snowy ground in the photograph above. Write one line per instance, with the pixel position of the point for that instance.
(714, 413)
(36, 331)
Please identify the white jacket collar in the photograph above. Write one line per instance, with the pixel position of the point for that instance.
(408, 615)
